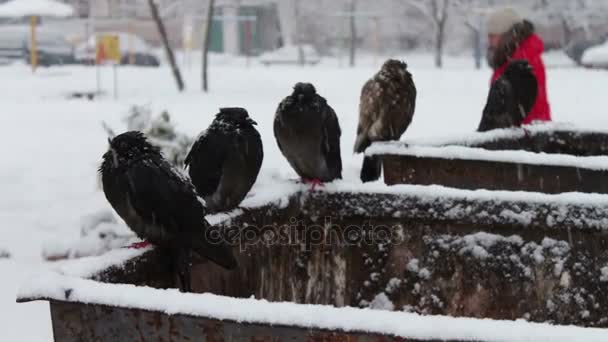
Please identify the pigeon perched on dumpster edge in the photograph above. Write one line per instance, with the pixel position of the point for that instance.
(511, 97)
(159, 205)
(225, 160)
(387, 106)
(308, 134)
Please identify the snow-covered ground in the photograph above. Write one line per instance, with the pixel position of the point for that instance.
(51, 146)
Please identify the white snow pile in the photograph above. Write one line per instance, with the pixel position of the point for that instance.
(478, 244)
(488, 247)
(470, 153)
(159, 130)
(272, 191)
(407, 325)
(604, 275)
(88, 267)
(382, 302)
(476, 138)
(102, 231)
(24, 8)
(99, 232)
(413, 266)
(596, 56)
(290, 54)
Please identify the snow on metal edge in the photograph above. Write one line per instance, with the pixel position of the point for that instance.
(65, 288)
(599, 163)
(439, 192)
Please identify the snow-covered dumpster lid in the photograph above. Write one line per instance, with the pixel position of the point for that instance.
(448, 252)
(503, 160)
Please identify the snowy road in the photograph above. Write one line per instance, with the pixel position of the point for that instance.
(51, 146)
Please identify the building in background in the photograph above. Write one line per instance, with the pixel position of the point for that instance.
(239, 27)
(250, 27)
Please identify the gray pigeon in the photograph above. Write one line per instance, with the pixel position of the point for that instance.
(308, 134)
(225, 160)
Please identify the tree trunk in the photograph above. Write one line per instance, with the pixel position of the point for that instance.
(477, 49)
(478, 54)
(441, 20)
(168, 51)
(353, 33)
(567, 32)
(206, 43)
(298, 41)
(439, 42)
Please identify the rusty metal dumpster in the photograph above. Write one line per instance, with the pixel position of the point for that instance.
(360, 262)
(545, 159)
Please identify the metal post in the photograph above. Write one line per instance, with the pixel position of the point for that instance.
(33, 48)
(376, 39)
(130, 43)
(247, 42)
(98, 75)
(115, 67)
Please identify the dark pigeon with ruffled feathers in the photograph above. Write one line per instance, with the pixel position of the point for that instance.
(511, 97)
(225, 160)
(308, 134)
(159, 205)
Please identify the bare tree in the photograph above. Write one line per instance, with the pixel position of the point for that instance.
(298, 34)
(206, 43)
(474, 12)
(353, 32)
(169, 52)
(574, 16)
(437, 11)
(477, 40)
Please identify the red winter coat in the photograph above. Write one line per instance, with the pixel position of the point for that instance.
(531, 50)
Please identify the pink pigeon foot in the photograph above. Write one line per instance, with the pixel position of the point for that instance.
(314, 183)
(140, 245)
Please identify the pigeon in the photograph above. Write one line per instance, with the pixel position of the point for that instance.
(511, 97)
(225, 160)
(386, 109)
(159, 204)
(308, 134)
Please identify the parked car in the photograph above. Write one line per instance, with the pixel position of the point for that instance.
(291, 55)
(11, 43)
(143, 55)
(576, 48)
(52, 47)
(596, 56)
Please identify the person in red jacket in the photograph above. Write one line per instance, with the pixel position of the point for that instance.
(511, 37)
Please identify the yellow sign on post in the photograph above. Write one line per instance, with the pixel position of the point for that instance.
(108, 49)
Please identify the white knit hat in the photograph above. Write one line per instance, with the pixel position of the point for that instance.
(502, 20)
